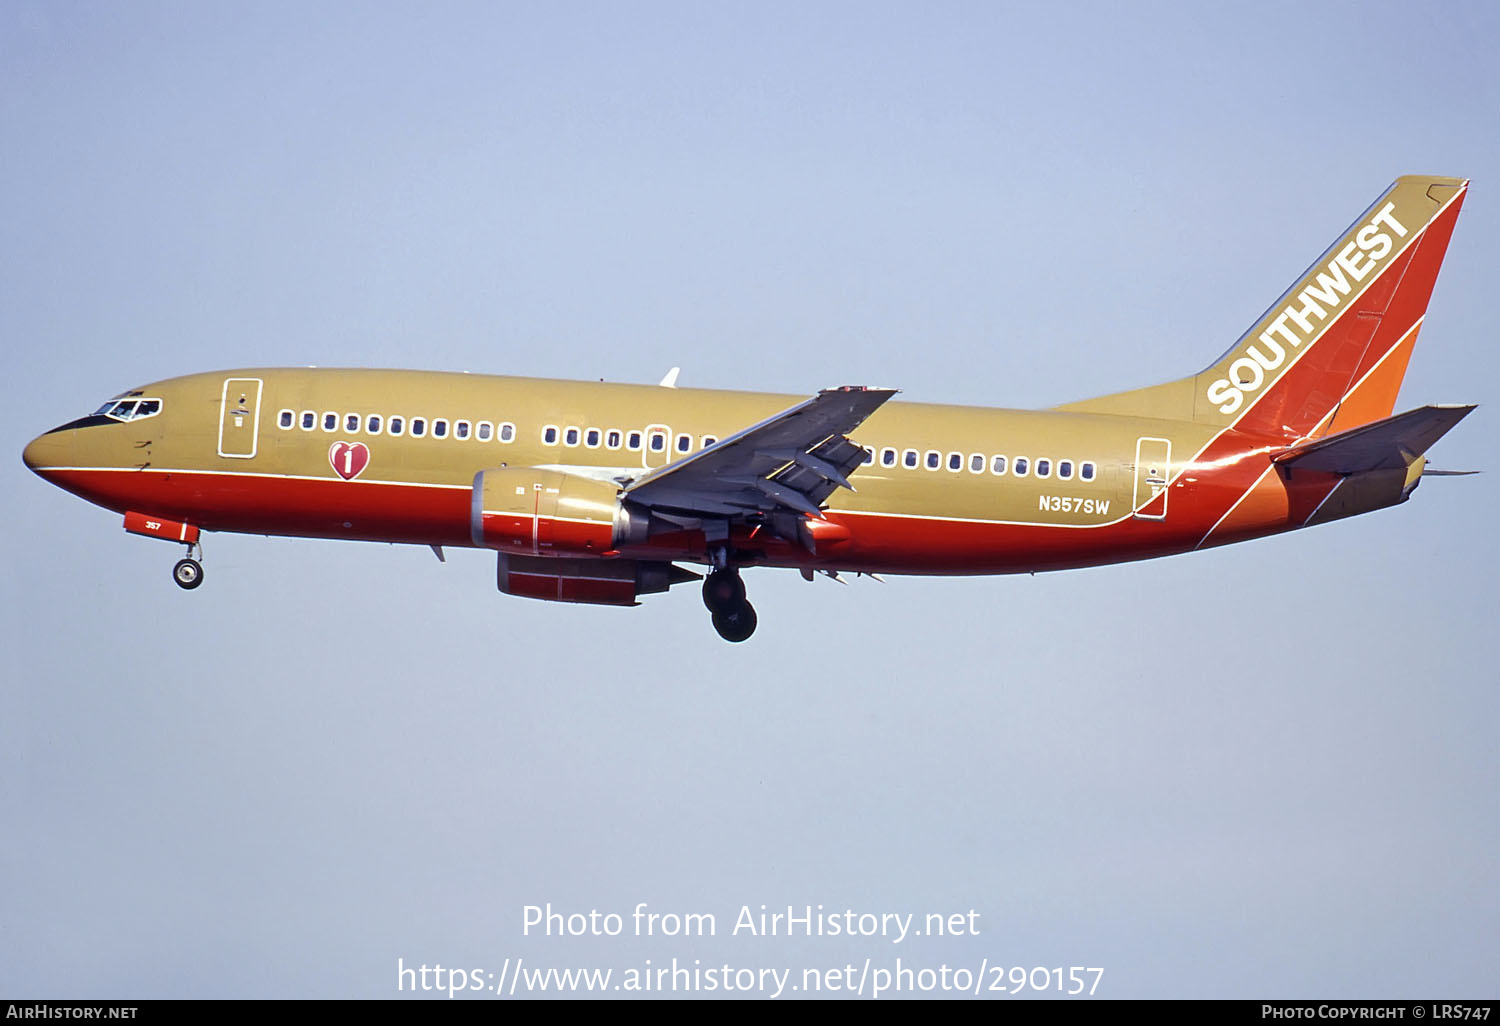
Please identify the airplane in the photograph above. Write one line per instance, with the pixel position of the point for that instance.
(593, 492)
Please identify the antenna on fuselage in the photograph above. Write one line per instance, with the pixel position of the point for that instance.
(670, 381)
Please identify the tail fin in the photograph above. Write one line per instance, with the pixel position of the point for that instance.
(1330, 354)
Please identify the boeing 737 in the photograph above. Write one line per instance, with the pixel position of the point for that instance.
(594, 492)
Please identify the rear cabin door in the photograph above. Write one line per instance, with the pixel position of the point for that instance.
(1153, 461)
(239, 418)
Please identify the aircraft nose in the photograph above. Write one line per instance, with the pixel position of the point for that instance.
(54, 449)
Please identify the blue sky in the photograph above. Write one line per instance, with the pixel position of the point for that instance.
(1263, 770)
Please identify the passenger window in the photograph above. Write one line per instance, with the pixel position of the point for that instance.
(708, 440)
(1086, 471)
(634, 445)
(309, 420)
(483, 431)
(418, 427)
(440, 429)
(684, 443)
(887, 457)
(351, 422)
(592, 438)
(549, 435)
(1043, 468)
(395, 426)
(461, 430)
(571, 436)
(613, 439)
(910, 458)
(976, 463)
(507, 432)
(869, 455)
(955, 461)
(1065, 470)
(372, 424)
(288, 418)
(330, 422)
(1020, 466)
(997, 465)
(658, 442)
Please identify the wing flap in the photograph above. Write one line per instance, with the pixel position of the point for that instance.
(793, 461)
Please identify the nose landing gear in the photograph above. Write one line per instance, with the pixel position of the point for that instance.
(188, 573)
(724, 595)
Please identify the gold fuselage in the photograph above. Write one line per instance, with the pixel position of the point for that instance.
(184, 463)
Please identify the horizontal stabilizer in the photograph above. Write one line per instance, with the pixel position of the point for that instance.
(1388, 444)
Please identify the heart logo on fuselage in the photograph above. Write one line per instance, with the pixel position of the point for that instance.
(349, 458)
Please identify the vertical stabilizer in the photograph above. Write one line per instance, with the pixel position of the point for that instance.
(1330, 354)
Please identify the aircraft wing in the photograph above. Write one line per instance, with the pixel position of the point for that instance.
(792, 461)
(1391, 444)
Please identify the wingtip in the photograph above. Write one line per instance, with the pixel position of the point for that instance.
(862, 388)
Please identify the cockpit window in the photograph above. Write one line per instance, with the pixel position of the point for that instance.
(129, 409)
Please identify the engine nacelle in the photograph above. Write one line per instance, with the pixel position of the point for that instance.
(603, 582)
(547, 512)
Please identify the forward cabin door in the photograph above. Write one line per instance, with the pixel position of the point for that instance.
(239, 418)
(656, 446)
(1153, 462)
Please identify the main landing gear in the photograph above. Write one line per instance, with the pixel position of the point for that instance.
(188, 573)
(724, 595)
